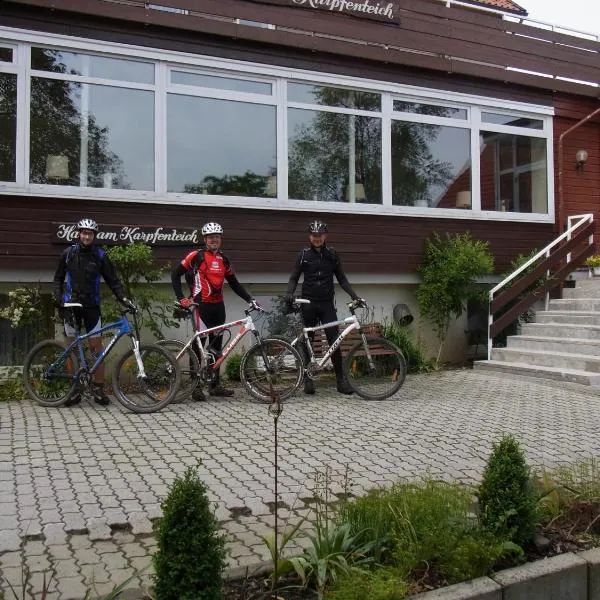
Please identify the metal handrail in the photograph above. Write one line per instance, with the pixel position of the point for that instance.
(567, 235)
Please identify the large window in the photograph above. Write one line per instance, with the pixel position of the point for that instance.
(513, 173)
(87, 134)
(334, 154)
(106, 120)
(221, 135)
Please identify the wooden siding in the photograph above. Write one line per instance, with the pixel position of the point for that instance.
(581, 188)
(431, 36)
(257, 240)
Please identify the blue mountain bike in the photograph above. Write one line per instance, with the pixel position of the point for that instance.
(144, 379)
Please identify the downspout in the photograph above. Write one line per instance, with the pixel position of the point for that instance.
(561, 207)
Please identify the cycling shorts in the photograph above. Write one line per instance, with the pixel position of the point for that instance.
(87, 318)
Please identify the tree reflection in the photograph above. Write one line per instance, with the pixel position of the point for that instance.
(248, 184)
(320, 151)
(8, 126)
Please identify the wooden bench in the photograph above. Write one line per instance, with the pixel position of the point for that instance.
(320, 345)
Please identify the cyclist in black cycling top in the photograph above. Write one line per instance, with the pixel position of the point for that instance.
(319, 264)
(77, 279)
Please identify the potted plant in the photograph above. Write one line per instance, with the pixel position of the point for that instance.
(593, 262)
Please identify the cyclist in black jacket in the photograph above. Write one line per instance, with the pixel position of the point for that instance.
(319, 264)
(77, 279)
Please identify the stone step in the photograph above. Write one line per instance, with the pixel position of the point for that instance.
(547, 358)
(570, 375)
(586, 304)
(554, 344)
(562, 330)
(572, 317)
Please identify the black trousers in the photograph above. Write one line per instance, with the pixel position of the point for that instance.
(319, 313)
(212, 315)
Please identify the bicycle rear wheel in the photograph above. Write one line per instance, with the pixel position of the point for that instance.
(49, 373)
(189, 367)
(152, 392)
(272, 368)
(378, 374)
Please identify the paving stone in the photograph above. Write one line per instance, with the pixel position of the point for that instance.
(9, 540)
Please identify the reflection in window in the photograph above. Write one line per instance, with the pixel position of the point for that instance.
(91, 135)
(430, 109)
(333, 96)
(221, 147)
(221, 83)
(511, 120)
(6, 54)
(8, 126)
(334, 157)
(430, 165)
(89, 65)
(513, 173)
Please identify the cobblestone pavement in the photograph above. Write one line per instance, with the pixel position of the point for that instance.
(80, 486)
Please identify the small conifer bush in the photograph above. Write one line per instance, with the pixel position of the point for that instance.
(507, 502)
(191, 553)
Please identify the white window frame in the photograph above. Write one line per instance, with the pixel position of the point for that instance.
(165, 59)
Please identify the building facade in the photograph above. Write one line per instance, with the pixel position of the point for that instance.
(388, 121)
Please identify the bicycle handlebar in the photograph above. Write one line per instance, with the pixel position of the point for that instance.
(352, 305)
(130, 307)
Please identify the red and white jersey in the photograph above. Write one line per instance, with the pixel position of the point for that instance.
(208, 271)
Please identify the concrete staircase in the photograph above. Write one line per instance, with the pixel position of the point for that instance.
(562, 344)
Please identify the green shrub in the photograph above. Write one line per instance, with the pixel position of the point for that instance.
(413, 351)
(376, 584)
(370, 514)
(507, 502)
(11, 387)
(433, 525)
(450, 269)
(232, 367)
(190, 555)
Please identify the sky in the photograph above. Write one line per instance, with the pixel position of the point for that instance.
(582, 15)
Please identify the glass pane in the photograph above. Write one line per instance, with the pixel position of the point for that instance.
(91, 135)
(431, 165)
(6, 54)
(513, 173)
(221, 83)
(430, 109)
(512, 120)
(333, 96)
(73, 63)
(8, 126)
(221, 147)
(328, 151)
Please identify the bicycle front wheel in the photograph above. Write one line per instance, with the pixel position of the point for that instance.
(378, 373)
(155, 389)
(270, 369)
(49, 373)
(189, 367)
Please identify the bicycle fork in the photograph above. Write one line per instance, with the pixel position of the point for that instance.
(141, 374)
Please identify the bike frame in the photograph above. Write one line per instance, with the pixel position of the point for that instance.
(121, 327)
(353, 325)
(246, 324)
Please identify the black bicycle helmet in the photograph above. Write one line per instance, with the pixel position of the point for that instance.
(317, 227)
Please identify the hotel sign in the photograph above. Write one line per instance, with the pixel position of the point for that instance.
(66, 233)
(366, 9)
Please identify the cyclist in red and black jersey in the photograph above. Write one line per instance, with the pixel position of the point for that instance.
(319, 264)
(206, 270)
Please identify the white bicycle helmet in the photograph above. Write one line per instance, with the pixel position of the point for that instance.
(212, 228)
(87, 224)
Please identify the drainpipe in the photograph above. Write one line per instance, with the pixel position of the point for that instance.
(561, 202)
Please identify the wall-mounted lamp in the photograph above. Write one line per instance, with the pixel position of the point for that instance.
(580, 159)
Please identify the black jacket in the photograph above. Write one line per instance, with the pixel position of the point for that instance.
(319, 266)
(77, 277)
